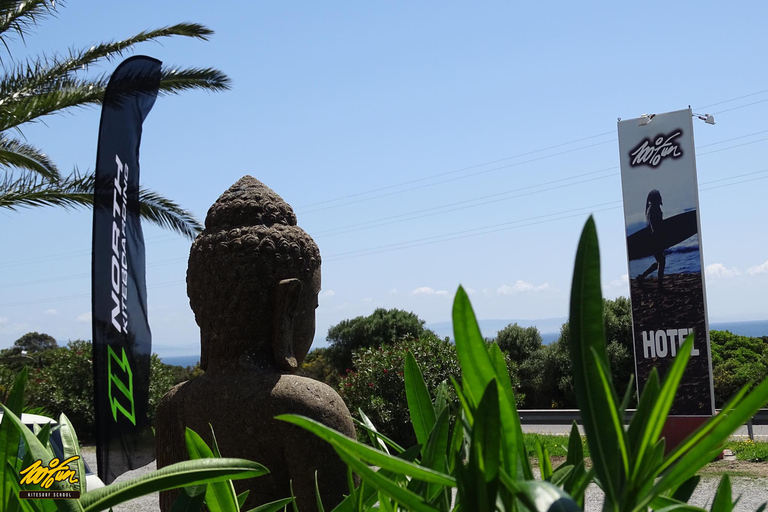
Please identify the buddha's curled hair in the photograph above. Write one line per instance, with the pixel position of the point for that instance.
(250, 243)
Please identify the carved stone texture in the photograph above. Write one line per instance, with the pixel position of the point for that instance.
(253, 280)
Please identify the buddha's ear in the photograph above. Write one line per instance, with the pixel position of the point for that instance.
(286, 306)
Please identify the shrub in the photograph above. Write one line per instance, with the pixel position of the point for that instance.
(377, 384)
(484, 456)
(380, 327)
(736, 361)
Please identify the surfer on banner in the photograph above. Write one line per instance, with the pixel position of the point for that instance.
(654, 217)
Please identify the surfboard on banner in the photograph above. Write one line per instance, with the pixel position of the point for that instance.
(667, 289)
(675, 229)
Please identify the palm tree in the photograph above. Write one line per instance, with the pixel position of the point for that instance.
(36, 87)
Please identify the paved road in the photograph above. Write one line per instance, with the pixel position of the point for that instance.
(760, 431)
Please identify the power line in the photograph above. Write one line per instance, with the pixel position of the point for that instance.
(418, 180)
(501, 196)
(73, 254)
(509, 225)
(80, 276)
(80, 296)
(472, 175)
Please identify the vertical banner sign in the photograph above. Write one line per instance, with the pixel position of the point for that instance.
(122, 343)
(661, 213)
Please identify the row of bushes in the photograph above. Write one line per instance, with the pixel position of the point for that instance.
(61, 381)
(541, 374)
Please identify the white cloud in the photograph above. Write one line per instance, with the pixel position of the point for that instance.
(520, 286)
(718, 270)
(470, 291)
(622, 281)
(328, 294)
(367, 300)
(51, 312)
(426, 290)
(759, 269)
(393, 291)
(3, 320)
(85, 317)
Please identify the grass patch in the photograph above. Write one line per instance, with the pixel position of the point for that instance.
(749, 451)
(556, 445)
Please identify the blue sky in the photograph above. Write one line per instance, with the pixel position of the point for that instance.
(423, 145)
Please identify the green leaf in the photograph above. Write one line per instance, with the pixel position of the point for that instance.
(639, 423)
(72, 447)
(575, 448)
(219, 496)
(420, 406)
(512, 430)
(545, 463)
(370, 455)
(188, 503)
(685, 491)
(437, 445)
(441, 398)
(181, 474)
(376, 437)
(722, 501)
(660, 410)
(241, 498)
(318, 499)
(539, 496)
(587, 347)
(385, 485)
(273, 506)
(9, 439)
(477, 370)
(700, 446)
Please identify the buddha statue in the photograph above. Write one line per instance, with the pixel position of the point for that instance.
(253, 280)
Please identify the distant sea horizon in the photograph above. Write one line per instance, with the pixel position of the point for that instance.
(754, 328)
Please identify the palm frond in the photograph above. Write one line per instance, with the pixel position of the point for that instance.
(20, 15)
(76, 191)
(41, 73)
(174, 81)
(72, 93)
(14, 153)
(167, 214)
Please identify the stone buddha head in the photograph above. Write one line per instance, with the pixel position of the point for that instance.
(252, 280)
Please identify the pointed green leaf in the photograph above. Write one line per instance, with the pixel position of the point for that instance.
(512, 430)
(188, 503)
(181, 474)
(385, 485)
(539, 496)
(575, 448)
(587, 347)
(10, 437)
(420, 406)
(72, 447)
(699, 447)
(723, 501)
(545, 463)
(273, 506)
(660, 410)
(241, 498)
(219, 496)
(685, 491)
(441, 398)
(370, 455)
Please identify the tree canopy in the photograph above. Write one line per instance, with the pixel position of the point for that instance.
(380, 327)
(34, 342)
